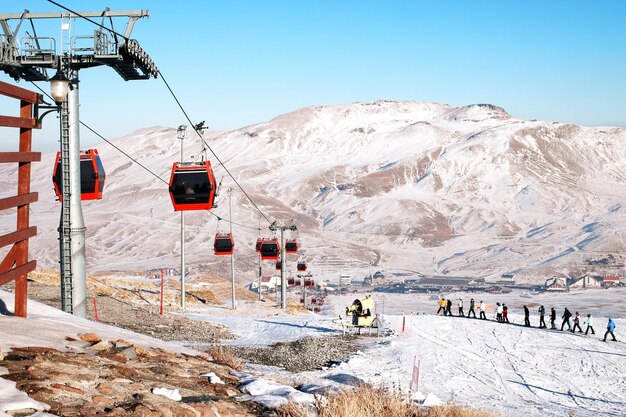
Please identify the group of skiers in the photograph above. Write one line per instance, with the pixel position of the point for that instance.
(502, 311)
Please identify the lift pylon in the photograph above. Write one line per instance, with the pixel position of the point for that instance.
(28, 57)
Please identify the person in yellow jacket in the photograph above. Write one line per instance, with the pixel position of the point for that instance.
(442, 306)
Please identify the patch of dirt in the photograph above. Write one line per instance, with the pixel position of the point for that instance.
(144, 319)
(306, 354)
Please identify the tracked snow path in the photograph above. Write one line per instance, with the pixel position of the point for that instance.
(521, 371)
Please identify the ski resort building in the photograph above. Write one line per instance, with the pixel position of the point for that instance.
(586, 281)
(611, 280)
(556, 284)
(268, 284)
(345, 280)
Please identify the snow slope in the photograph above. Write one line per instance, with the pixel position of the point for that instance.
(520, 371)
(425, 187)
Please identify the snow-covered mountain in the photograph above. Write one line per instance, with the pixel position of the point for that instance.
(418, 187)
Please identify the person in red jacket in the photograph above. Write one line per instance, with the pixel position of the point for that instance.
(577, 323)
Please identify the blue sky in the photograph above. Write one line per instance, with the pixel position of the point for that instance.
(235, 63)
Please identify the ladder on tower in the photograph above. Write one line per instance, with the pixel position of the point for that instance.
(65, 226)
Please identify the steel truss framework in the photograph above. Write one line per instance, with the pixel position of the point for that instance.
(28, 56)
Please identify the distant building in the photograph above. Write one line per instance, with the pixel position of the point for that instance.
(586, 281)
(556, 284)
(506, 279)
(450, 283)
(378, 278)
(268, 284)
(345, 280)
(611, 280)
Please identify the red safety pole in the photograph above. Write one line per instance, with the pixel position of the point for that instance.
(403, 322)
(416, 373)
(95, 309)
(162, 281)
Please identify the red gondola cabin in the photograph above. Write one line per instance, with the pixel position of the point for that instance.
(291, 246)
(224, 244)
(192, 186)
(301, 266)
(270, 249)
(279, 265)
(91, 176)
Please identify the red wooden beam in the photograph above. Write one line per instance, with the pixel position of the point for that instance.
(10, 121)
(17, 201)
(18, 236)
(9, 260)
(15, 273)
(19, 93)
(20, 157)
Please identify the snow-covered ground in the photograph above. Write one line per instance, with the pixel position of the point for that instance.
(597, 302)
(520, 371)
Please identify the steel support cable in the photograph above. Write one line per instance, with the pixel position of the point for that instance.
(137, 162)
(236, 224)
(88, 19)
(124, 153)
(210, 149)
(107, 141)
(179, 105)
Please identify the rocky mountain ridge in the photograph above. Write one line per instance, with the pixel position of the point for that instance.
(414, 187)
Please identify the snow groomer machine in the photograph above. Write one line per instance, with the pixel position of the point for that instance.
(362, 312)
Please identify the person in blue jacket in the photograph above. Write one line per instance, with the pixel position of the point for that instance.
(610, 328)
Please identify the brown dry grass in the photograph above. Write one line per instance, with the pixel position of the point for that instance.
(365, 401)
(225, 356)
(208, 288)
(459, 411)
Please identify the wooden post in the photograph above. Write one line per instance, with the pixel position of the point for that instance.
(162, 286)
(95, 309)
(14, 266)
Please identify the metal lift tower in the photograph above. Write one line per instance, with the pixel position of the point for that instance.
(28, 57)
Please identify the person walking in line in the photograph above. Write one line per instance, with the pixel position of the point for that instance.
(471, 309)
(442, 306)
(505, 313)
(577, 323)
(449, 308)
(542, 321)
(461, 314)
(589, 323)
(483, 308)
(566, 315)
(499, 312)
(610, 328)
(552, 319)
(526, 316)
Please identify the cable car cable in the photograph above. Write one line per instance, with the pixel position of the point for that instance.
(88, 19)
(210, 149)
(124, 153)
(139, 163)
(179, 105)
(236, 224)
(107, 141)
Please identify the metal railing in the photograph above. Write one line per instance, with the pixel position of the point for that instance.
(38, 49)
